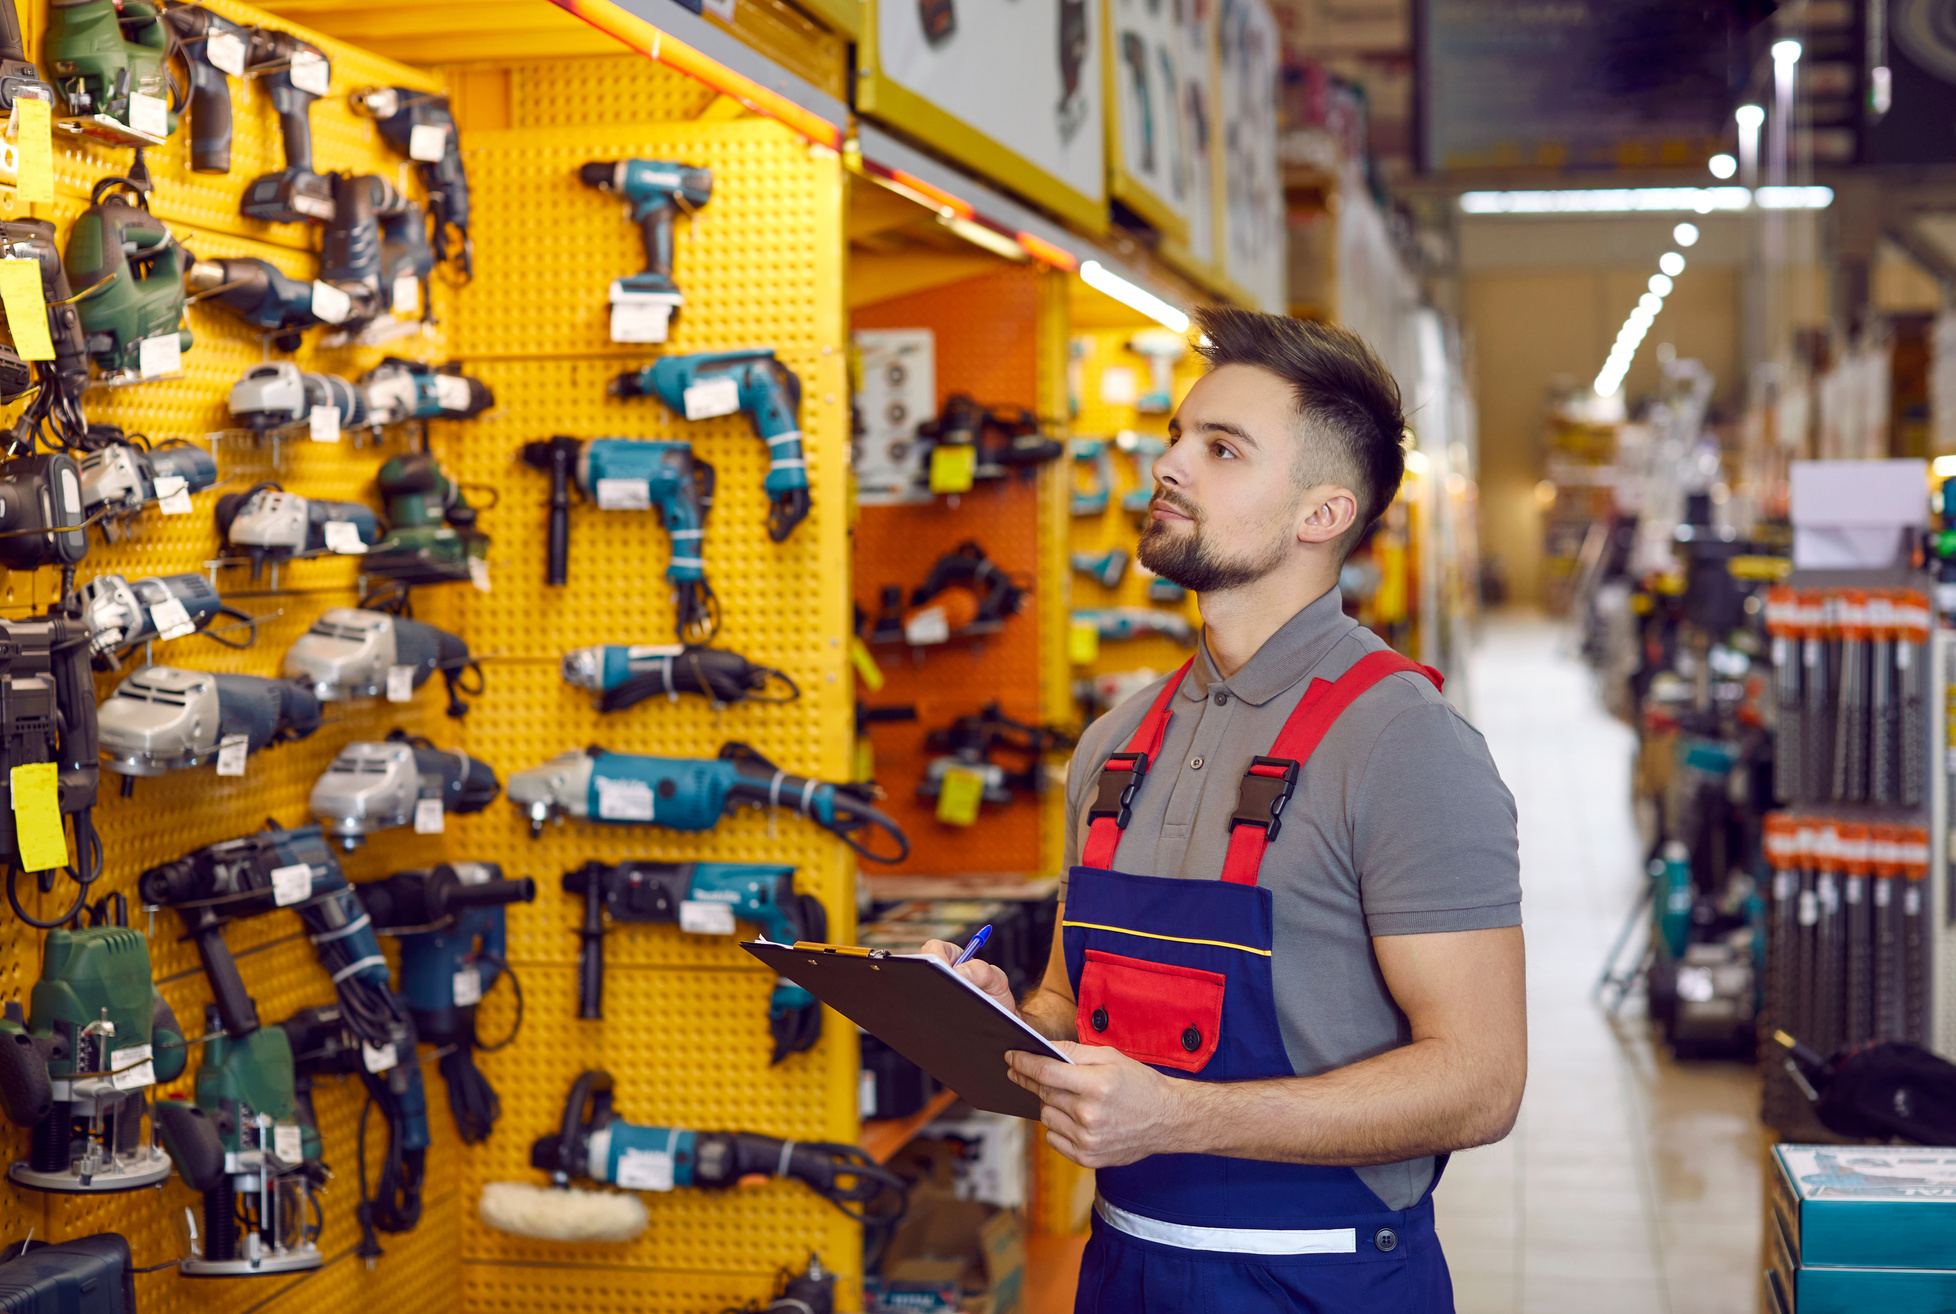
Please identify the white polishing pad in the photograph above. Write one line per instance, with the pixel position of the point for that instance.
(562, 1215)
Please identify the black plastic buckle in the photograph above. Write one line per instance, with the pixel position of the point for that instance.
(1260, 799)
(1114, 791)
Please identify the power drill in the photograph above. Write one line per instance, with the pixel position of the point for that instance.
(119, 479)
(18, 75)
(278, 395)
(351, 654)
(352, 250)
(140, 263)
(258, 293)
(636, 474)
(1103, 568)
(625, 675)
(212, 46)
(47, 714)
(704, 898)
(642, 306)
(372, 787)
(65, 378)
(398, 390)
(411, 121)
(1144, 450)
(270, 524)
(110, 61)
(449, 923)
(1091, 457)
(120, 615)
(697, 387)
(1137, 622)
(297, 73)
(109, 1037)
(432, 537)
(683, 793)
(164, 718)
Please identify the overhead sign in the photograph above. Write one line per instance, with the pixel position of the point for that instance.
(1252, 225)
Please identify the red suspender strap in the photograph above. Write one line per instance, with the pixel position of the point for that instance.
(1120, 779)
(1270, 781)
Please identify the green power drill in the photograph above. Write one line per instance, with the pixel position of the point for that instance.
(107, 1036)
(110, 65)
(433, 539)
(129, 268)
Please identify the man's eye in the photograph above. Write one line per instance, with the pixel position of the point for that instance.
(1222, 451)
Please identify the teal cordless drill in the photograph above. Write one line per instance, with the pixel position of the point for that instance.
(711, 383)
(642, 305)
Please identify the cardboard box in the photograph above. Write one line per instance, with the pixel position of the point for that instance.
(1866, 1206)
(943, 1235)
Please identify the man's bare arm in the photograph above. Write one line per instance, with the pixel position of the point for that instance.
(1048, 1007)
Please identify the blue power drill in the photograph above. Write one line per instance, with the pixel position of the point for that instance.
(712, 383)
(685, 793)
(642, 306)
(704, 898)
(449, 923)
(636, 474)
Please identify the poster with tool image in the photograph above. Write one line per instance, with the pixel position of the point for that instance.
(1253, 196)
(1153, 166)
(898, 368)
(1196, 21)
(1010, 90)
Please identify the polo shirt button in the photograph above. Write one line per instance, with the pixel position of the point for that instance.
(1191, 1040)
(1099, 1019)
(1195, 764)
(1386, 1239)
(1221, 698)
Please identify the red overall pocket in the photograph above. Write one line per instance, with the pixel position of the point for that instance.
(1155, 1012)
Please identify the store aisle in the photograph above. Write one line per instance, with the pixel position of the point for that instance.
(1631, 1184)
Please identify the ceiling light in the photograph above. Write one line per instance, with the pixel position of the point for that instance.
(1943, 466)
(1651, 302)
(1685, 234)
(1098, 277)
(1671, 263)
(1749, 117)
(1786, 52)
(1660, 285)
(1794, 198)
(1722, 166)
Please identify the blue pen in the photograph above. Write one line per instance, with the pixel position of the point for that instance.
(977, 943)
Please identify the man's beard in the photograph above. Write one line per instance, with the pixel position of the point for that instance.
(1186, 560)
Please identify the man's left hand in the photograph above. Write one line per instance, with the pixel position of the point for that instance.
(1104, 1109)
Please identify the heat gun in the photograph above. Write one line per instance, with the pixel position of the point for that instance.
(212, 45)
(691, 793)
(625, 675)
(297, 73)
(127, 271)
(704, 898)
(422, 127)
(432, 538)
(119, 478)
(257, 292)
(712, 383)
(164, 718)
(351, 653)
(642, 306)
(449, 923)
(635, 474)
(110, 64)
(375, 786)
(270, 524)
(277, 395)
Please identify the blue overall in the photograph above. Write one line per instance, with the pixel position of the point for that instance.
(1176, 974)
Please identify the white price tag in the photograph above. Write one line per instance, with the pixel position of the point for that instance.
(310, 72)
(323, 424)
(866, 1094)
(427, 816)
(698, 917)
(289, 1143)
(640, 321)
(329, 303)
(291, 884)
(231, 755)
(149, 114)
(624, 495)
(314, 207)
(173, 495)
(142, 1074)
(644, 1170)
(128, 1057)
(400, 684)
(1883, 893)
(1912, 900)
(467, 987)
(451, 392)
(479, 574)
(378, 1058)
(171, 620)
(711, 397)
(1904, 656)
(427, 142)
(407, 295)
(159, 355)
(227, 51)
(624, 800)
(343, 536)
(931, 625)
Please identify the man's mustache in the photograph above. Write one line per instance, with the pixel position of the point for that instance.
(1168, 497)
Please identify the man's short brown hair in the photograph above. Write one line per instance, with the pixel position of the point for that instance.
(1347, 400)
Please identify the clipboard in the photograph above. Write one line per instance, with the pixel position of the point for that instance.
(918, 1006)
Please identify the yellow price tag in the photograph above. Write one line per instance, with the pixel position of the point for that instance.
(866, 761)
(27, 312)
(866, 668)
(951, 467)
(37, 816)
(34, 121)
(958, 795)
(1082, 642)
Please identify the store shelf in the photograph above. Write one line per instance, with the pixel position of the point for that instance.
(883, 1137)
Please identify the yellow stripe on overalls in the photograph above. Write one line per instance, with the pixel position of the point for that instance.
(1178, 939)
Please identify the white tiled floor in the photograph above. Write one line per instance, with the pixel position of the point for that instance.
(1631, 1184)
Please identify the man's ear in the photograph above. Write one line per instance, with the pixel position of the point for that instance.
(1328, 513)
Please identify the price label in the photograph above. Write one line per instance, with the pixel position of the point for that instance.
(323, 424)
(33, 129)
(149, 115)
(1883, 893)
(171, 620)
(468, 987)
(479, 574)
(958, 795)
(931, 625)
(624, 495)
(41, 841)
(640, 321)
(698, 917)
(289, 1143)
(1912, 900)
(624, 800)
(644, 1170)
(159, 355)
(128, 1057)
(292, 884)
(315, 207)
(452, 392)
(378, 1058)
(310, 72)
(866, 1094)
(27, 311)
(132, 1078)
(1904, 656)
(231, 755)
(427, 816)
(1082, 642)
(227, 51)
(400, 684)
(407, 295)
(343, 536)
(329, 303)
(173, 495)
(427, 142)
(953, 468)
(711, 397)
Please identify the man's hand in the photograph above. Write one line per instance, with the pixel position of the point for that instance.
(1105, 1109)
(983, 975)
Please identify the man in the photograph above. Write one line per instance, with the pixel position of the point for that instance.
(1289, 964)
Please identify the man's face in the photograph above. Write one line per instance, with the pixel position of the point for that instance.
(1226, 508)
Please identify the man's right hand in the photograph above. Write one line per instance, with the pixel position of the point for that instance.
(985, 976)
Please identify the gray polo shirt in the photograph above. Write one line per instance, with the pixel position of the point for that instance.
(1400, 826)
